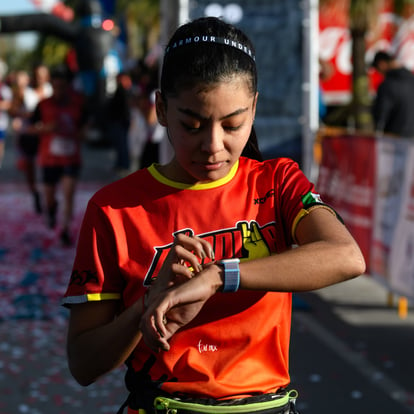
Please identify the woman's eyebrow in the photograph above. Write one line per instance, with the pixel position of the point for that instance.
(202, 118)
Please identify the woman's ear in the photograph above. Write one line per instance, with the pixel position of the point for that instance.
(160, 109)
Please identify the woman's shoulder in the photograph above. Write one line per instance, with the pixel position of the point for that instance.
(274, 164)
(278, 171)
(123, 191)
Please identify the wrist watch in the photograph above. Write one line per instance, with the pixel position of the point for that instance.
(231, 273)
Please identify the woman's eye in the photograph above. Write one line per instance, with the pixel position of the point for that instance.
(232, 128)
(191, 127)
(196, 127)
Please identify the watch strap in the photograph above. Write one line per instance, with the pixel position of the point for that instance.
(231, 273)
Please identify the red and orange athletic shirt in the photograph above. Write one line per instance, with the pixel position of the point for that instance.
(239, 342)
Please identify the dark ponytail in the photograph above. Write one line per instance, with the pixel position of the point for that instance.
(251, 150)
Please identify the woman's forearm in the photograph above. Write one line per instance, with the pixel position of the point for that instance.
(307, 267)
(327, 254)
(94, 352)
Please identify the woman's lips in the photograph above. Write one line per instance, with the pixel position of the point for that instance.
(213, 166)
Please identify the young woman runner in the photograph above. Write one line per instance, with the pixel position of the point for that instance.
(185, 271)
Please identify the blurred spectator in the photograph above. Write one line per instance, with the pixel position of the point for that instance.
(392, 107)
(144, 76)
(5, 102)
(27, 93)
(155, 133)
(145, 133)
(118, 122)
(24, 100)
(137, 133)
(40, 81)
(59, 122)
(326, 71)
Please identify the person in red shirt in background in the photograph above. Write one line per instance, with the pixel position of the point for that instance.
(59, 122)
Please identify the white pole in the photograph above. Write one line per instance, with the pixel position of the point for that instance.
(184, 12)
(310, 83)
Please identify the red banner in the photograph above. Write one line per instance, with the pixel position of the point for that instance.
(390, 32)
(370, 182)
(346, 182)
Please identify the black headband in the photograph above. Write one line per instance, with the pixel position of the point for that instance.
(211, 39)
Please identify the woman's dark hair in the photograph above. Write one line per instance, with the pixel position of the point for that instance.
(190, 63)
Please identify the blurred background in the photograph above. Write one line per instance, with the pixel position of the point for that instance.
(306, 50)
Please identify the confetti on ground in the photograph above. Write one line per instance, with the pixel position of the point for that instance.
(34, 266)
(34, 272)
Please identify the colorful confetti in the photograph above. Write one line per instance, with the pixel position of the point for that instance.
(34, 271)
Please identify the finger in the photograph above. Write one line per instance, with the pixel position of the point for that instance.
(156, 344)
(185, 256)
(155, 338)
(160, 322)
(150, 337)
(201, 247)
(194, 250)
(182, 271)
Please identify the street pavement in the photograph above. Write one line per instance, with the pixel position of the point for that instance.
(351, 351)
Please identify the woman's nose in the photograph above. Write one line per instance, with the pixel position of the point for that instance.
(213, 141)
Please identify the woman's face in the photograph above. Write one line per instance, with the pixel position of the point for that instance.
(208, 129)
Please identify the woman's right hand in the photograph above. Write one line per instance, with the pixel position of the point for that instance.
(183, 262)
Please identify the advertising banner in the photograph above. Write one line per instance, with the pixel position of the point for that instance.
(391, 160)
(388, 31)
(370, 182)
(401, 260)
(346, 182)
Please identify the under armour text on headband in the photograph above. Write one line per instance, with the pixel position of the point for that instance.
(210, 39)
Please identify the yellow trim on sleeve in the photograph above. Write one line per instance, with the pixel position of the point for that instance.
(95, 297)
(89, 297)
(304, 212)
(139, 411)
